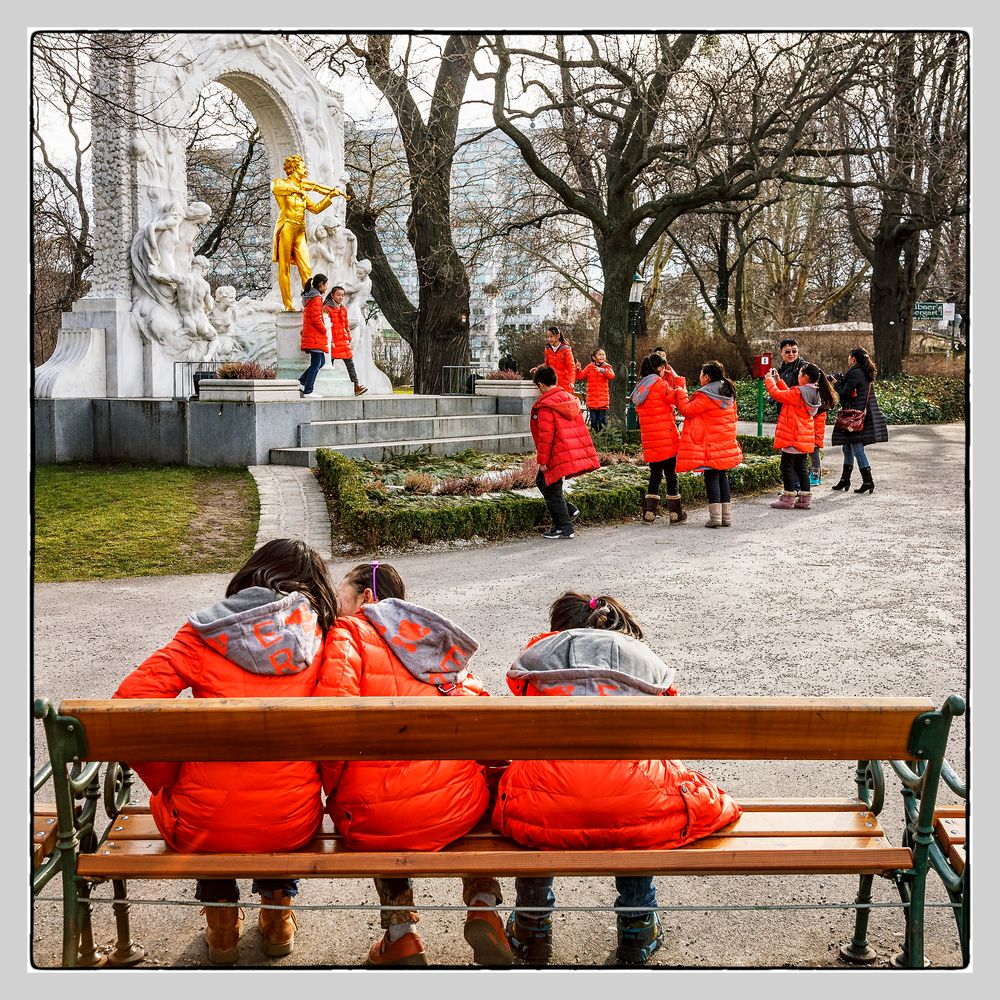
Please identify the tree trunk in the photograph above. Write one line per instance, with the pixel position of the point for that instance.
(885, 298)
(615, 332)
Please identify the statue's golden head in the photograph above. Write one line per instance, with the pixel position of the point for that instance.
(293, 163)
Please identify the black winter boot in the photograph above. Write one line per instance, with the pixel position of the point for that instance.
(845, 479)
(867, 483)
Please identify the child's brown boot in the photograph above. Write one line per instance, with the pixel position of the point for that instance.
(276, 926)
(225, 924)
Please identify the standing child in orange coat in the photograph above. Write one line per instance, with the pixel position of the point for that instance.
(593, 648)
(559, 356)
(803, 407)
(653, 398)
(708, 440)
(313, 339)
(563, 449)
(598, 375)
(385, 646)
(263, 640)
(340, 331)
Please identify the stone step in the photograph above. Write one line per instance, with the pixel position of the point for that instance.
(517, 444)
(387, 407)
(335, 433)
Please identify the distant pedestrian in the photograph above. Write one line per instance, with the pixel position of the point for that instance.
(802, 417)
(508, 363)
(856, 389)
(653, 397)
(598, 375)
(559, 356)
(563, 448)
(341, 332)
(708, 440)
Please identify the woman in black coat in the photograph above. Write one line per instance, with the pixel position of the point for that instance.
(857, 392)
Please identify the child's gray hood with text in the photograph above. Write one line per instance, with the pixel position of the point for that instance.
(592, 661)
(262, 631)
(433, 648)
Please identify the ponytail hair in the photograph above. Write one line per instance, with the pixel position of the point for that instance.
(383, 579)
(557, 332)
(716, 372)
(314, 282)
(816, 377)
(865, 363)
(652, 364)
(575, 610)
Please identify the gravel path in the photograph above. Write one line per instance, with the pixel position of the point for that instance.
(862, 595)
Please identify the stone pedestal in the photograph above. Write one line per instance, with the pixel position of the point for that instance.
(518, 388)
(249, 390)
(332, 380)
(99, 353)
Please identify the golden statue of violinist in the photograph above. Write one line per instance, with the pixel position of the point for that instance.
(290, 230)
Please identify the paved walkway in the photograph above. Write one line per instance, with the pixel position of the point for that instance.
(771, 606)
(292, 505)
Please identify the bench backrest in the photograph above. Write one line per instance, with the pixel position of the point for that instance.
(488, 728)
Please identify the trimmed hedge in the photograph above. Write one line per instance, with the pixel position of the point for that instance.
(372, 518)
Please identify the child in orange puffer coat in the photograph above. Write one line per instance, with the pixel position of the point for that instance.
(799, 431)
(595, 648)
(653, 398)
(708, 440)
(264, 639)
(598, 375)
(385, 646)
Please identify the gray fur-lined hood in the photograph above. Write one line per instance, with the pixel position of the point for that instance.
(590, 661)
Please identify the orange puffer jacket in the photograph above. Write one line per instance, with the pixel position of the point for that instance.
(314, 336)
(602, 804)
(255, 644)
(398, 649)
(796, 420)
(340, 330)
(653, 398)
(598, 378)
(708, 439)
(561, 359)
(562, 442)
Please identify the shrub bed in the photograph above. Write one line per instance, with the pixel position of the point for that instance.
(371, 515)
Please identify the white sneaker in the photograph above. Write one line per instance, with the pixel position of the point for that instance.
(314, 395)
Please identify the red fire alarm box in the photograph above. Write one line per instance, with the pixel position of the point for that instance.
(761, 365)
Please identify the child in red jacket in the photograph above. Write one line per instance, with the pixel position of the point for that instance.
(263, 640)
(563, 448)
(598, 375)
(340, 332)
(385, 646)
(313, 339)
(595, 648)
(559, 356)
(795, 436)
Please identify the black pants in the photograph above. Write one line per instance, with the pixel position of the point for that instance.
(795, 473)
(555, 501)
(717, 485)
(598, 419)
(657, 470)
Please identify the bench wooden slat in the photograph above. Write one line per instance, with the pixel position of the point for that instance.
(44, 832)
(949, 812)
(487, 728)
(956, 857)
(713, 855)
(757, 823)
(950, 832)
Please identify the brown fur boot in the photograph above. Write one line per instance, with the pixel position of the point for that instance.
(677, 513)
(649, 504)
(277, 926)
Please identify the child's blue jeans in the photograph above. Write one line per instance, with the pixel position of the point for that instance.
(635, 891)
(225, 890)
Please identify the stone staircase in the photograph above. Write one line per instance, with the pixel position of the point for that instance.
(375, 427)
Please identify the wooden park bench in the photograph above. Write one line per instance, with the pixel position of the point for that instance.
(839, 835)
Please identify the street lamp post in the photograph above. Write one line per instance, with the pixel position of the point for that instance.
(634, 301)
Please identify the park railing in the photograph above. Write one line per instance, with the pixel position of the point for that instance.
(185, 382)
(459, 380)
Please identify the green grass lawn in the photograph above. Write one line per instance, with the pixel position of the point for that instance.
(97, 522)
